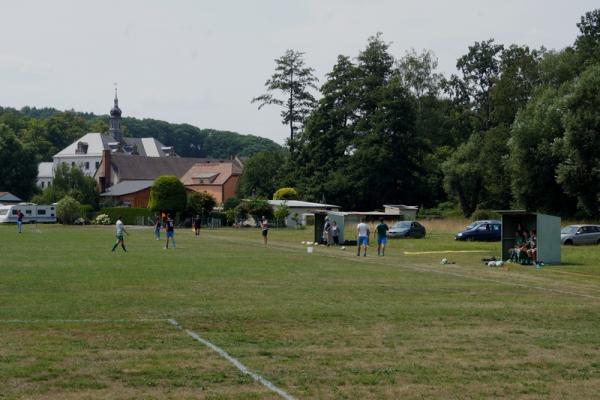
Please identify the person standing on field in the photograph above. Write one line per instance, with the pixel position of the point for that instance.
(327, 232)
(335, 233)
(170, 228)
(197, 225)
(363, 237)
(264, 227)
(157, 226)
(19, 221)
(382, 230)
(120, 230)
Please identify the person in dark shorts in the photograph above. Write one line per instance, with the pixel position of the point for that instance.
(120, 230)
(335, 233)
(264, 227)
(170, 228)
(382, 230)
(197, 225)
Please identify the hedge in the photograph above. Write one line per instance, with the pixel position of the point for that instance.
(130, 215)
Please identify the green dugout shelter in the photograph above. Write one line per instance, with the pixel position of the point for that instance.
(547, 230)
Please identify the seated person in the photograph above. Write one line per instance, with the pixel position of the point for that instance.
(522, 255)
(532, 249)
(514, 252)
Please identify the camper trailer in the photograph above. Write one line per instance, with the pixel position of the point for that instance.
(32, 213)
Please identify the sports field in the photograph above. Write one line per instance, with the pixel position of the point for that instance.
(79, 322)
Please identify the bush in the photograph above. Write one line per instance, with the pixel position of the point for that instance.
(200, 203)
(101, 219)
(130, 215)
(286, 193)
(86, 211)
(231, 203)
(281, 213)
(484, 214)
(219, 215)
(167, 194)
(230, 216)
(68, 210)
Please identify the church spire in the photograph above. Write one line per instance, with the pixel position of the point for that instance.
(115, 120)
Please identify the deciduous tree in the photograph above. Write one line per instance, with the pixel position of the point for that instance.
(294, 81)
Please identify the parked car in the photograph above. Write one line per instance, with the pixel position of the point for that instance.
(481, 221)
(406, 229)
(484, 231)
(580, 234)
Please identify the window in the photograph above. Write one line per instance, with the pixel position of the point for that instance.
(43, 184)
(28, 212)
(97, 164)
(41, 212)
(87, 165)
(72, 164)
(14, 212)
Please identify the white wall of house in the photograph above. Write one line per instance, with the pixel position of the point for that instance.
(88, 163)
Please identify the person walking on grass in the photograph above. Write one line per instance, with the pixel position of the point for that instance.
(19, 221)
(119, 233)
(363, 237)
(264, 227)
(382, 230)
(170, 228)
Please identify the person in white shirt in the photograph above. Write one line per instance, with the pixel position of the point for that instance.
(120, 231)
(363, 237)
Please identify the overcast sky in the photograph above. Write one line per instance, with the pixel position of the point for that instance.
(201, 62)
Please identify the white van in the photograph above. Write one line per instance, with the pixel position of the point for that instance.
(31, 212)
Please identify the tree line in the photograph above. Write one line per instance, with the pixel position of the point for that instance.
(513, 127)
(30, 135)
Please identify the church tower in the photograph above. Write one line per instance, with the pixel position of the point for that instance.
(115, 121)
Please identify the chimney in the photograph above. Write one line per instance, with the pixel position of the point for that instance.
(106, 161)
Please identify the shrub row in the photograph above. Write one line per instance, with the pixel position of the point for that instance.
(130, 215)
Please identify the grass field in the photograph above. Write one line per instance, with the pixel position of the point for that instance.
(78, 322)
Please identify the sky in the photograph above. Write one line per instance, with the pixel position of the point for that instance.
(201, 62)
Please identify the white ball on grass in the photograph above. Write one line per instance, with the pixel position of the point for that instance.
(343, 248)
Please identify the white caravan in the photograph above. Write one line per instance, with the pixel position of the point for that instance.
(31, 213)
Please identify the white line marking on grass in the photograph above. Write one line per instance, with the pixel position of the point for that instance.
(233, 361)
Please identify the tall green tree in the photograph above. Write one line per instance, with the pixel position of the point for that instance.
(587, 43)
(293, 80)
(579, 172)
(418, 72)
(519, 75)
(535, 155)
(261, 175)
(480, 70)
(18, 165)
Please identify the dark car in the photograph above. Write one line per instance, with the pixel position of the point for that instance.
(580, 234)
(406, 229)
(484, 231)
